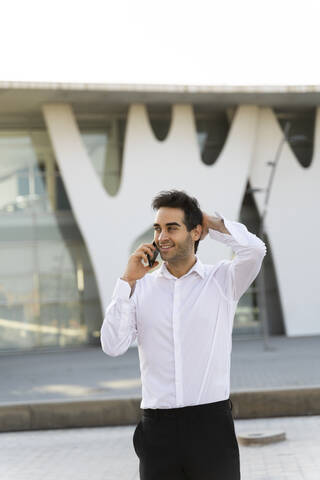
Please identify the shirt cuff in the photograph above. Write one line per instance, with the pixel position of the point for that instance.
(122, 290)
(238, 231)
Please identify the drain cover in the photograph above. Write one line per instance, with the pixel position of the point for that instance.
(260, 438)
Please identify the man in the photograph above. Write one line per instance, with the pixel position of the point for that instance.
(182, 315)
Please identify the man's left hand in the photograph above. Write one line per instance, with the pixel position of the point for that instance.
(205, 225)
(214, 223)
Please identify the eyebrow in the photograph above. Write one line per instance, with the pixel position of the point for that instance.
(167, 224)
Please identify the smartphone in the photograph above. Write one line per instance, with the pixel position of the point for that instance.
(154, 256)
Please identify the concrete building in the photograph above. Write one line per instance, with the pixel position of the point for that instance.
(80, 164)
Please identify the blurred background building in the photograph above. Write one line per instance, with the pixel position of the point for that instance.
(78, 162)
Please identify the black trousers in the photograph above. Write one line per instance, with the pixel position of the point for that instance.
(188, 443)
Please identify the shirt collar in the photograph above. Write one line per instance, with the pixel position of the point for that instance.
(198, 267)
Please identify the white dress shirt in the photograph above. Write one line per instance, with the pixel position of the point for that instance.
(184, 325)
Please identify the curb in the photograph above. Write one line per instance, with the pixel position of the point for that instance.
(126, 411)
(289, 402)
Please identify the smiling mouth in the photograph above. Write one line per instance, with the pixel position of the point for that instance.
(165, 249)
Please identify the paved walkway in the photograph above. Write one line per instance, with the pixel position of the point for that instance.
(107, 453)
(87, 373)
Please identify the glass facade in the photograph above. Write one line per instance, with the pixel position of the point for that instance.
(301, 125)
(48, 293)
(105, 149)
(212, 132)
(160, 118)
(248, 316)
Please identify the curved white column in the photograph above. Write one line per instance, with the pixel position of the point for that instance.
(98, 215)
(292, 223)
(109, 225)
(151, 166)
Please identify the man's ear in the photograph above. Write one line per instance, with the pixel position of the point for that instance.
(197, 232)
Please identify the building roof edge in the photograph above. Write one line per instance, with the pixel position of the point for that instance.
(158, 88)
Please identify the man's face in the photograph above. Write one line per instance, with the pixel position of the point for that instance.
(171, 236)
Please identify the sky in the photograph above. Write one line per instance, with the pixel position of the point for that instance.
(198, 42)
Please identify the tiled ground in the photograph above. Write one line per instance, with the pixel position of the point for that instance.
(108, 454)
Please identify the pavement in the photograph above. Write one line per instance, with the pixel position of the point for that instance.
(42, 393)
(84, 387)
(107, 453)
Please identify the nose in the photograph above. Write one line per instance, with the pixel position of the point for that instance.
(162, 236)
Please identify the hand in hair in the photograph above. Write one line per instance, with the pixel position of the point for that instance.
(214, 223)
(205, 225)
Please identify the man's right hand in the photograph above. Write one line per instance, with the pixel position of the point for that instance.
(135, 268)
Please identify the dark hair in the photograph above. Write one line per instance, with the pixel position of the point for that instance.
(180, 199)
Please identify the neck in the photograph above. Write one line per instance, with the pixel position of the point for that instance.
(178, 270)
